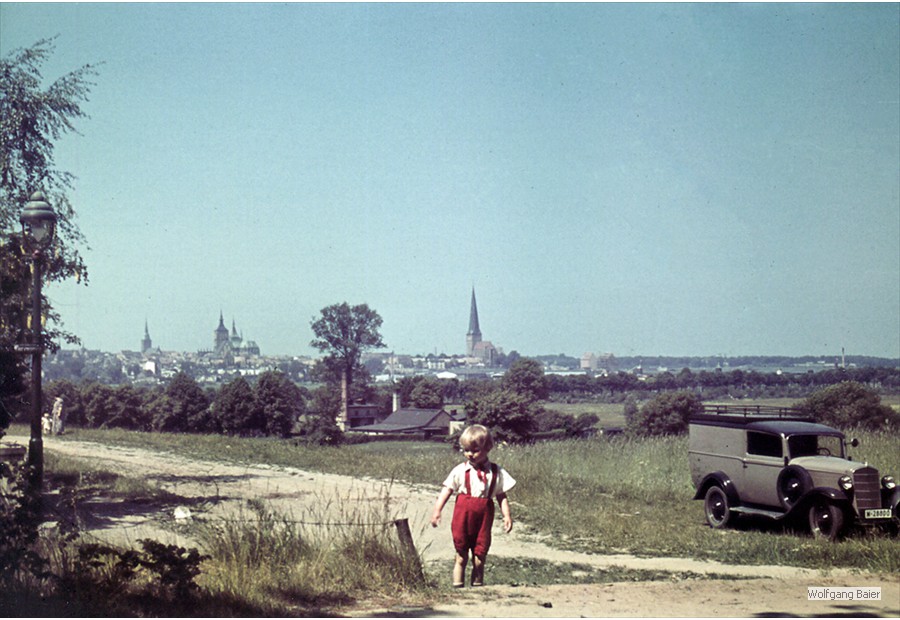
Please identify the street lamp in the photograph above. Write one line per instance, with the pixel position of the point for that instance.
(38, 227)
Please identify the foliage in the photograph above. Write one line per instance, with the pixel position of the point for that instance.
(319, 557)
(567, 425)
(281, 401)
(667, 414)
(343, 333)
(319, 425)
(525, 377)
(19, 519)
(236, 411)
(510, 416)
(32, 119)
(104, 572)
(850, 404)
(428, 393)
(183, 407)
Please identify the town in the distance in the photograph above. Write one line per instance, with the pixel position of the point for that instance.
(231, 355)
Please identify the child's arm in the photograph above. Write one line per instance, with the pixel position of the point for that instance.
(504, 510)
(446, 492)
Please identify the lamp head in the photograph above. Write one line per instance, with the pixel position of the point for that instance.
(38, 222)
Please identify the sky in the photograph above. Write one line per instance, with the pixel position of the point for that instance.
(637, 179)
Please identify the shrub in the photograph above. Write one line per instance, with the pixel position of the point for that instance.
(510, 416)
(667, 414)
(850, 404)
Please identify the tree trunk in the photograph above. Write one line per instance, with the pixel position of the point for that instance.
(345, 399)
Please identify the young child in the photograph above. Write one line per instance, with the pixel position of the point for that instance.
(477, 481)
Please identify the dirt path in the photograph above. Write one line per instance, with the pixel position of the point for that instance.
(777, 590)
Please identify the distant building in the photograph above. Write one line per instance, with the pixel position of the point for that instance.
(363, 414)
(146, 343)
(418, 422)
(477, 350)
(229, 345)
(605, 362)
(473, 336)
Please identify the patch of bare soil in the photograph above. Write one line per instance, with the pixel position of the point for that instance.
(218, 489)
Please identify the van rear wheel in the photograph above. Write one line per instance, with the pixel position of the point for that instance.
(717, 508)
(826, 520)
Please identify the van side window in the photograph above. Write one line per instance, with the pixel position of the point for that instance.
(763, 444)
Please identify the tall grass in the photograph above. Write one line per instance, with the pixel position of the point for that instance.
(597, 495)
(322, 558)
(635, 496)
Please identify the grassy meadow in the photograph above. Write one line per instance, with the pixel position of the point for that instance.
(597, 495)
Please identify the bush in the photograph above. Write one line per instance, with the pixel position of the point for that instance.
(510, 416)
(667, 414)
(850, 405)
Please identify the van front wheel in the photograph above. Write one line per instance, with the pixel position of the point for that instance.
(826, 520)
(718, 511)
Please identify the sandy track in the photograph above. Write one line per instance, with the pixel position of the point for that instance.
(223, 488)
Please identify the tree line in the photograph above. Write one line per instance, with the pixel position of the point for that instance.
(513, 406)
(737, 383)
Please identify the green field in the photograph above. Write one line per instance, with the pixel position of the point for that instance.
(597, 495)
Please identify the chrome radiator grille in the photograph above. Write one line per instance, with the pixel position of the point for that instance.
(866, 488)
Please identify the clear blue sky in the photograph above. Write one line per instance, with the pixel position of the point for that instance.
(713, 179)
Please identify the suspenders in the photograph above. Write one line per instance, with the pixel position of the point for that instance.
(490, 491)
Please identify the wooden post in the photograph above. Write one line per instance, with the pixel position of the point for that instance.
(408, 547)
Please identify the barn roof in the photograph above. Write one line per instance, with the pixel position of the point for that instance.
(404, 420)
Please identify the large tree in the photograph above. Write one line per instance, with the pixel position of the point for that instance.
(526, 378)
(343, 333)
(32, 119)
(236, 411)
(281, 401)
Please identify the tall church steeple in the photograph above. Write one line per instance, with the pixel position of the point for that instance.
(221, 336)
(146, 343)
(473, 336)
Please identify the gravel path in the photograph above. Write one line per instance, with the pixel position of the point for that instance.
(308, 496)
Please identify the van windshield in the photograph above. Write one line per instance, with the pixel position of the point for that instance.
(812, 445)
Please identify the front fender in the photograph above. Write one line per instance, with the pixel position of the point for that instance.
(718, 478)
(829, 494)
(890, 498)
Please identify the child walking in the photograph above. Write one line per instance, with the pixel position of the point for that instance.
(476, 481)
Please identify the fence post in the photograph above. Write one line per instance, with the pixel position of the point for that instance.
(408, 547)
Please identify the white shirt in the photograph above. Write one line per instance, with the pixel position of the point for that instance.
(456, 481)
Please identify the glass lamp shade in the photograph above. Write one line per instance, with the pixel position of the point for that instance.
(38, 221)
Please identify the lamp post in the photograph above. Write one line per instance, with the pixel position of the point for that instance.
(38, 227)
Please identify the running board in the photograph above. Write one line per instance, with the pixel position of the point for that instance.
(771, 514)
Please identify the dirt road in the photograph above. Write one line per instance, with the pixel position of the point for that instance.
(775, 590)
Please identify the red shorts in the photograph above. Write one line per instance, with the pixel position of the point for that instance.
(471, 525)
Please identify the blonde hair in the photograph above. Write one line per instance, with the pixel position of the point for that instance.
(477, 436)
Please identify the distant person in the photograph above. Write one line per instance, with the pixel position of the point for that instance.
(59, 416)
(476, 481)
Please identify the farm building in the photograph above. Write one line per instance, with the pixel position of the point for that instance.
(420, 422)
(364, 414)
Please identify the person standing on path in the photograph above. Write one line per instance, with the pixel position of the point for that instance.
(476, 481)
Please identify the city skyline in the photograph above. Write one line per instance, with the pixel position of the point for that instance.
(697, 180)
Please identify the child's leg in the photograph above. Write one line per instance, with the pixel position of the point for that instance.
(478, 569)
(459, 570)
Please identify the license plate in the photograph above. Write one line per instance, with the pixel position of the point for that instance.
(878, 513)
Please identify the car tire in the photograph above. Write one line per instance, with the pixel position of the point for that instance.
(717, 507)
(793, 484)
(826, 520)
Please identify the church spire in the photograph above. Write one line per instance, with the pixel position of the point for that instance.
(473, 336)
(474, 330)
(146, 343)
